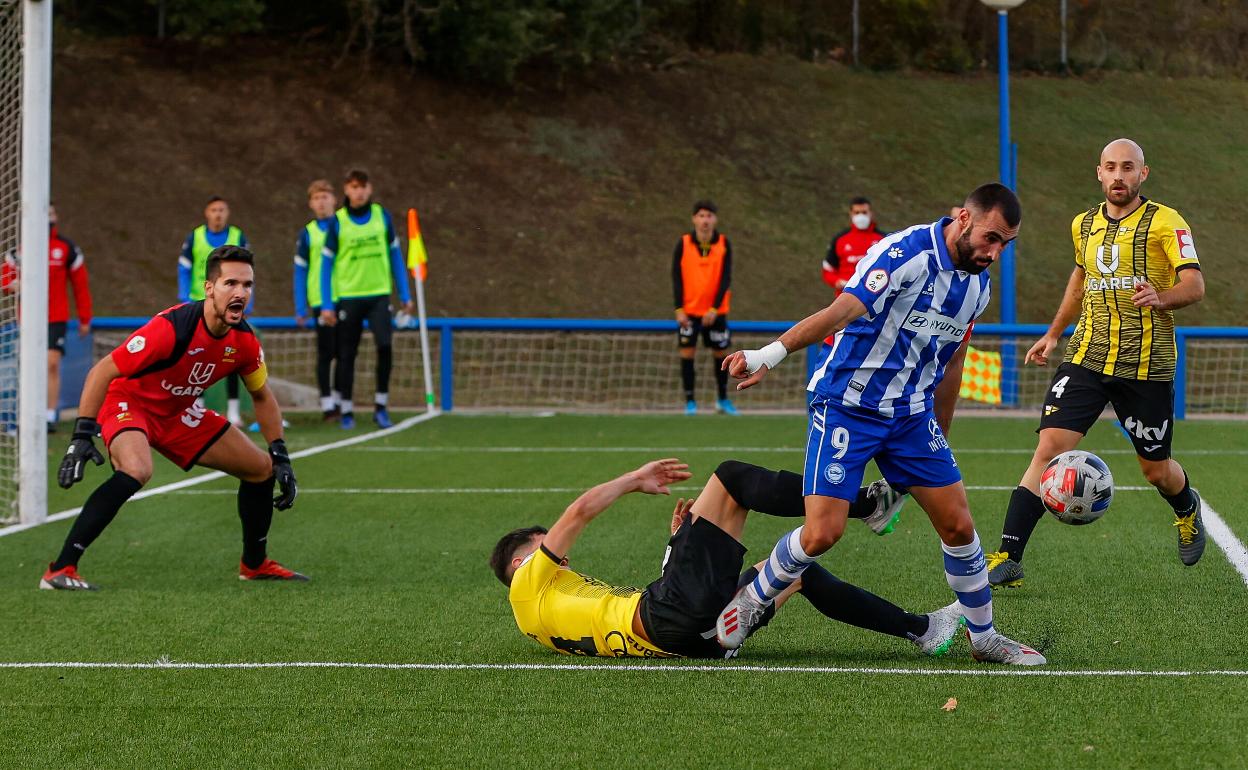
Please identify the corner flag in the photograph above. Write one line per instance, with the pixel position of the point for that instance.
(417, 259)
(981, 376)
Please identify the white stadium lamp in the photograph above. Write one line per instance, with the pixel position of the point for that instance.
(1003, 5)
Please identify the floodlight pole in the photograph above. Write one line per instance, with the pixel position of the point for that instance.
(1006, 156)
(1009, 178)
(33, 245)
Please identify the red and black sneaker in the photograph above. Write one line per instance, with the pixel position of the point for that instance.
(65, 579)
(268, 570)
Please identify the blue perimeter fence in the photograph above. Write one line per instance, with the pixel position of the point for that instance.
(79, 356)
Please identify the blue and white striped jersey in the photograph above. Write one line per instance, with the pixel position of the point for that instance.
(919, 308)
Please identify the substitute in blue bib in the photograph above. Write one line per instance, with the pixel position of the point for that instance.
(308, 251)
(192, 266)
(902, 319)
(361, 266)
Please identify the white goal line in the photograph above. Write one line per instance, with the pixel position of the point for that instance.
(214, 475)
(721, 449)
(523, 490)
(671, 668)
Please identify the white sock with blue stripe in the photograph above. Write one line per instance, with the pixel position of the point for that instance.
(786, 564)
(968, 577)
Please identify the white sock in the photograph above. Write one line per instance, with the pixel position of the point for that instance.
(381, 399)
(232, 412)
(51, 415)
(347, 407)
(327, 403)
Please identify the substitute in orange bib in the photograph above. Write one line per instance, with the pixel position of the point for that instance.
(145, 395)
(701, 283)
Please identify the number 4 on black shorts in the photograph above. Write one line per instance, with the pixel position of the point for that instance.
(1077, 396)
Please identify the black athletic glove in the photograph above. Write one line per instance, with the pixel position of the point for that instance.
(284, 474)
(81, 449)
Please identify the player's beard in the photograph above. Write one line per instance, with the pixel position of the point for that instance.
(224, 313)
(1121, 197)
(965, 260)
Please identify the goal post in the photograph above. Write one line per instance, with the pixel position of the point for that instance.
(35, 161)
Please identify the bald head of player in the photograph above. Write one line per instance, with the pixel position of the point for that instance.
(1121, 172)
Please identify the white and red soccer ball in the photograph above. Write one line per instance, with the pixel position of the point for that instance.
(1077, 487)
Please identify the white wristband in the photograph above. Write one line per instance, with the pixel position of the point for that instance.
(770, 356)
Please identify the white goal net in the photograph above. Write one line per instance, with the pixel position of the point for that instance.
(10, 216)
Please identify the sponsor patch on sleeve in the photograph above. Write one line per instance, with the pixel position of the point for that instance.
(1187, 247)
(876, 280)
(136, 343)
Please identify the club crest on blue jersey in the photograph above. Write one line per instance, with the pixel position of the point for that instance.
(834, 473)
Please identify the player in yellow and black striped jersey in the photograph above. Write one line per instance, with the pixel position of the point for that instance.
(1135, 264)
(575, 614)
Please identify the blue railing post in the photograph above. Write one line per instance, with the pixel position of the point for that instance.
(1180, 375)
(446, 365)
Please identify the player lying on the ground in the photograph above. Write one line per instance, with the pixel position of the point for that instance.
(675, 615)
(900, 321)
(145, 395)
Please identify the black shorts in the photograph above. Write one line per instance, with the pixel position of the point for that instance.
(716, 336)
(1077, 396)
(56, 336)
(699, 578)
(354, 311)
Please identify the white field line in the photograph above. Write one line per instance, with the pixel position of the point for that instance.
(1221, 534)
(518, 490)
(720, 449)
(214, 475)
(613, 668)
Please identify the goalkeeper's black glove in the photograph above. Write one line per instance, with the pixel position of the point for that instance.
(283, 474)
(81, 449)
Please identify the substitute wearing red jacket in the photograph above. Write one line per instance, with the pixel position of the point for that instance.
(851, 244)
(66, 266)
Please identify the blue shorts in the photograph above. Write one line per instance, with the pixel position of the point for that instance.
(910, 451)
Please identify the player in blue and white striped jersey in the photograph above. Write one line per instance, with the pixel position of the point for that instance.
(901, 320)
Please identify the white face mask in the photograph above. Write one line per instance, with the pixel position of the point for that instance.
(861, 221)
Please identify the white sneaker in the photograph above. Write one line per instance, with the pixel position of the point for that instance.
(888, 502)
(942, 629)
(738, 619)
(999, 648)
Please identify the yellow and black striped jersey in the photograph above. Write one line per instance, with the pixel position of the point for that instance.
(575, 614)
(1113, 336)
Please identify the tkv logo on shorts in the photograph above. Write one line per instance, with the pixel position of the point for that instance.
(1142, 431)
(934, 324)
(834, 473)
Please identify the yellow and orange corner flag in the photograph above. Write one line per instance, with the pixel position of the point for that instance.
(981, 376)
(417, 259)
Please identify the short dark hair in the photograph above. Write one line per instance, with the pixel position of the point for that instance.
(505, 549)
(356, 175)
(995, 196)
(705, 203)
(860, 200)
(216, 199)
(226, 254)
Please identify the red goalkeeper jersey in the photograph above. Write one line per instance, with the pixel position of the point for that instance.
(173, 359)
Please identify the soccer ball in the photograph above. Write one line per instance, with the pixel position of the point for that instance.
(1077, 487)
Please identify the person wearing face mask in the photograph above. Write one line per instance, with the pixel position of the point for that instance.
(850, 245)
